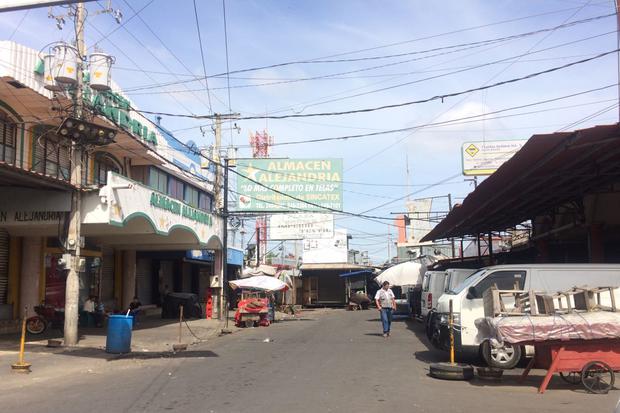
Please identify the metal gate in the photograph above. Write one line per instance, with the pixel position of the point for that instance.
(106, 289)
(4, 265)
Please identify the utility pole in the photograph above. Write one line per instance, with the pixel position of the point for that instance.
(72, 292)
(389, 245)
(225, 245)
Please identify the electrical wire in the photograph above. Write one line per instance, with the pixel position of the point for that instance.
(441, 97)
(460, 47)
(227, 65)
(19, 25)
(202, 55)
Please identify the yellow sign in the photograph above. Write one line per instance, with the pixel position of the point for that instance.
(472, 150)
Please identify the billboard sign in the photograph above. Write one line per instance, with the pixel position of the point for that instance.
(300, 226)
(484, 158)
(313, 184)
(327, 250)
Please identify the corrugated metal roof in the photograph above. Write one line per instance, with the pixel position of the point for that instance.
(549, 170)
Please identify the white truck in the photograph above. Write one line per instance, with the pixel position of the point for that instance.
(468, 305)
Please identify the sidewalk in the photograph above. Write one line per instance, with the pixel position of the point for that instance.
(152, 338)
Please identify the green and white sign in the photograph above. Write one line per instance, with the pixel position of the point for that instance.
(313, 184)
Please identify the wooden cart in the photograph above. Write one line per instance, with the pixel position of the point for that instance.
(589, 362)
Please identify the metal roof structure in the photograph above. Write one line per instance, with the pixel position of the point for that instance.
(548, 171)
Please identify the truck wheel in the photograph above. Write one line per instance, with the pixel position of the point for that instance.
(506, 357)
(447, 371)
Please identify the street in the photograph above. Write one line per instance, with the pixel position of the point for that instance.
(325, 361)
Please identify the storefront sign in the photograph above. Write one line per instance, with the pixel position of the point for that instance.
(300, 226)
(313, 184)
(117, 109)
(163, 202)
(234, 256)
(327, 250)
(484, 158)
(25, 206)
(124, 200)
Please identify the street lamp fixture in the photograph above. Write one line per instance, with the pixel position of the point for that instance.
(86, 133)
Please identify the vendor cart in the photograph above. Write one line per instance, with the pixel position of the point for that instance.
(592, 363)
(252, 310)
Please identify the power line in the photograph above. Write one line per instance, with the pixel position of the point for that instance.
(460, 47)
(202, 55)
(118, 27)
(402, 104)
(19, 25)
(577, 10)
(227, 67)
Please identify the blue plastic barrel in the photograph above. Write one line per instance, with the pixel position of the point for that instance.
(118, 339)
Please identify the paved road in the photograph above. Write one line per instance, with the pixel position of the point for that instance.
(329, 361)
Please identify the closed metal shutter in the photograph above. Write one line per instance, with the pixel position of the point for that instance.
(144, 281)
(4, 265)
(107, 275)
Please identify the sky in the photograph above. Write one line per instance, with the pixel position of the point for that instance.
(160, 45)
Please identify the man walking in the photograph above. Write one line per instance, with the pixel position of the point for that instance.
(384, 298)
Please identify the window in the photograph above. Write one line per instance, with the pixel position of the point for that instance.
(205, 202)
(51, 155)
(504, 280)
(103, 164)
(175, 188)
(191, 196)
(158, 180)
(8, 137)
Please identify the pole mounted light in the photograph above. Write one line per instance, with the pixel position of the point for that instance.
(86, 133)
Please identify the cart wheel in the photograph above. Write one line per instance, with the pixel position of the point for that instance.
(597, 377)
(574, 377)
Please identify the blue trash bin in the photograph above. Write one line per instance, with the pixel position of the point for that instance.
(118, 339)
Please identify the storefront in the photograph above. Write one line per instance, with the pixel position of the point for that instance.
(151, 232)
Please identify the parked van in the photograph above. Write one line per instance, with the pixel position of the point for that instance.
(454, 277)
(468, 306)
(432, 288)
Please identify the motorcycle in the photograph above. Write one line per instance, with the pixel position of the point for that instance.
(47, 316)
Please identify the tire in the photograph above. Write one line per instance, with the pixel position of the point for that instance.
(506, 357)
(597, 377)
(36, 325)
(447, 371)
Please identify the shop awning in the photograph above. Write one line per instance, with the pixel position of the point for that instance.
(356, 273)
(333, 266)
(549, 170)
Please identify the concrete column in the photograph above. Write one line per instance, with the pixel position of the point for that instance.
(30, 274)
(129, 277)
(596, 244)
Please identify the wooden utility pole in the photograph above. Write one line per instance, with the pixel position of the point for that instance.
(72, 292)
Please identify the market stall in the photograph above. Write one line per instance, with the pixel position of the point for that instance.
(256, 299)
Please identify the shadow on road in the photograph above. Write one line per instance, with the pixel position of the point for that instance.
(374, 334)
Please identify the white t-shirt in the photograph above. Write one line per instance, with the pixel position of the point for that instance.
(89, 306)
(385, 297)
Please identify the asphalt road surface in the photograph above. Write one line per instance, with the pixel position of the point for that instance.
(327, 361)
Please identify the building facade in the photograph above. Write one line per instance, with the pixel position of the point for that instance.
(145, 200)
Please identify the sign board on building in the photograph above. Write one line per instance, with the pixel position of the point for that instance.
(313, 184)
(122, 199)
(485, 157)
(300, 226)
(327, 250)
(24, 206)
